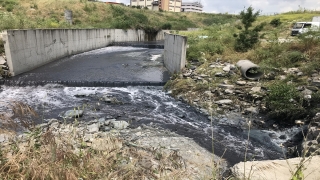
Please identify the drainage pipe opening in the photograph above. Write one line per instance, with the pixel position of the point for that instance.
(249, 70)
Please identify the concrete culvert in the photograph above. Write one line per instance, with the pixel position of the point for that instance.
(249, 70)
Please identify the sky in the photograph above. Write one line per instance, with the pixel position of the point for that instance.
(235, 6)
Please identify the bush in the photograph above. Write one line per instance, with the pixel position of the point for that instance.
(295, 56)
(207, 46)
(9, 8)
(285, 103)
(166, 26)
(275, 22)
(247, 38)
(1, 46)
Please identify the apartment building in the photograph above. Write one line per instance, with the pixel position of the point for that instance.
(170, 5)
(192, 7)
(142, 3)
(166, 5)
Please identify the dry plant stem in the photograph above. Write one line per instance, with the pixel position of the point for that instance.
(246, 151)
(212, 138)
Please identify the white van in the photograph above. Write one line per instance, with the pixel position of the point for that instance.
(303, 27)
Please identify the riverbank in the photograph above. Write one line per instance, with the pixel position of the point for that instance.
(120, 152)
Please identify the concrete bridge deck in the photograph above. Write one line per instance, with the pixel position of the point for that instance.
(106, 67)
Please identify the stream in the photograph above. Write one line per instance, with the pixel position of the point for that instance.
(152, 106)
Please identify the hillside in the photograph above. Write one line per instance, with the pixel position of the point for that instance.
(22, 14)
(290, 65)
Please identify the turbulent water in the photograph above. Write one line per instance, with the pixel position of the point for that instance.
(145, 105)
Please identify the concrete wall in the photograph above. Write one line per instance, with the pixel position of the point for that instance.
(175, 48)
(28, 49)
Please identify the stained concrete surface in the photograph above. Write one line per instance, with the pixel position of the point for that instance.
(110, 64)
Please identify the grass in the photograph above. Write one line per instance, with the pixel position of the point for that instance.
(50, 14)
(46, 153)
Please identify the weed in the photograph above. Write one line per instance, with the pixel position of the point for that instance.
(285, 103)
(275, 22)
(1, 47)
(247, 38)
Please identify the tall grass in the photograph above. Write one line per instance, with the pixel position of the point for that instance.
(48, 153)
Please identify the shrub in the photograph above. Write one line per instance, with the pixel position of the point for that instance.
(247, 38)
(295, 56)
(167, 26)
(1, 46)
(9, 8)
(284, 103)
(275, 22)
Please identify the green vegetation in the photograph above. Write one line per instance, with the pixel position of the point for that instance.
(247, 38)
(86, 14)
(1, 46)
(284, 102)
(275, 51)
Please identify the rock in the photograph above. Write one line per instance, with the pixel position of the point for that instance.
(204, 76)
(316, 82)
(241, 83)
(272, 135)
(300, 74)
(226, 86)
(282, 77)
(93, 128)
(2, 60)
(276, 169)
(73, 114)
(119, 125)
(187, 75)
(283, 137)
(4, 137)
(251, 110)
(306, 92)
(256, 89)
(299, 122)
(55, 125)
(226, 69)
(229, 91)
(219, 74)
(224, 101)
(52, 121)
(312, 88)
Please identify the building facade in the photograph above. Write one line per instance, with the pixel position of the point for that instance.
(170, 5)
(165, 5)
(192, 7)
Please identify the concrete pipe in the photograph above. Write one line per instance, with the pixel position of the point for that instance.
(249, 70)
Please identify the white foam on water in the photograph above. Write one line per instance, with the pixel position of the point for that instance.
(289, 133)
(155, 57)
(106, 50)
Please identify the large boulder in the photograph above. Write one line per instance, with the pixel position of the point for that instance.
(277, 169)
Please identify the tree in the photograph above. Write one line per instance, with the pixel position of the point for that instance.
(249, 36)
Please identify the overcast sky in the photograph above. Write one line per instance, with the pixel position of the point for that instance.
(266, 6)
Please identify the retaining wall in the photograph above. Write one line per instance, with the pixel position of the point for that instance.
(29, 49)
(175, 48)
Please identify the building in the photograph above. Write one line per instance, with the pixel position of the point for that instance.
(165, 5)
(192, 7)
(170, 5)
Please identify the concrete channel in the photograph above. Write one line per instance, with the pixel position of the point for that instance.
(92, 57)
